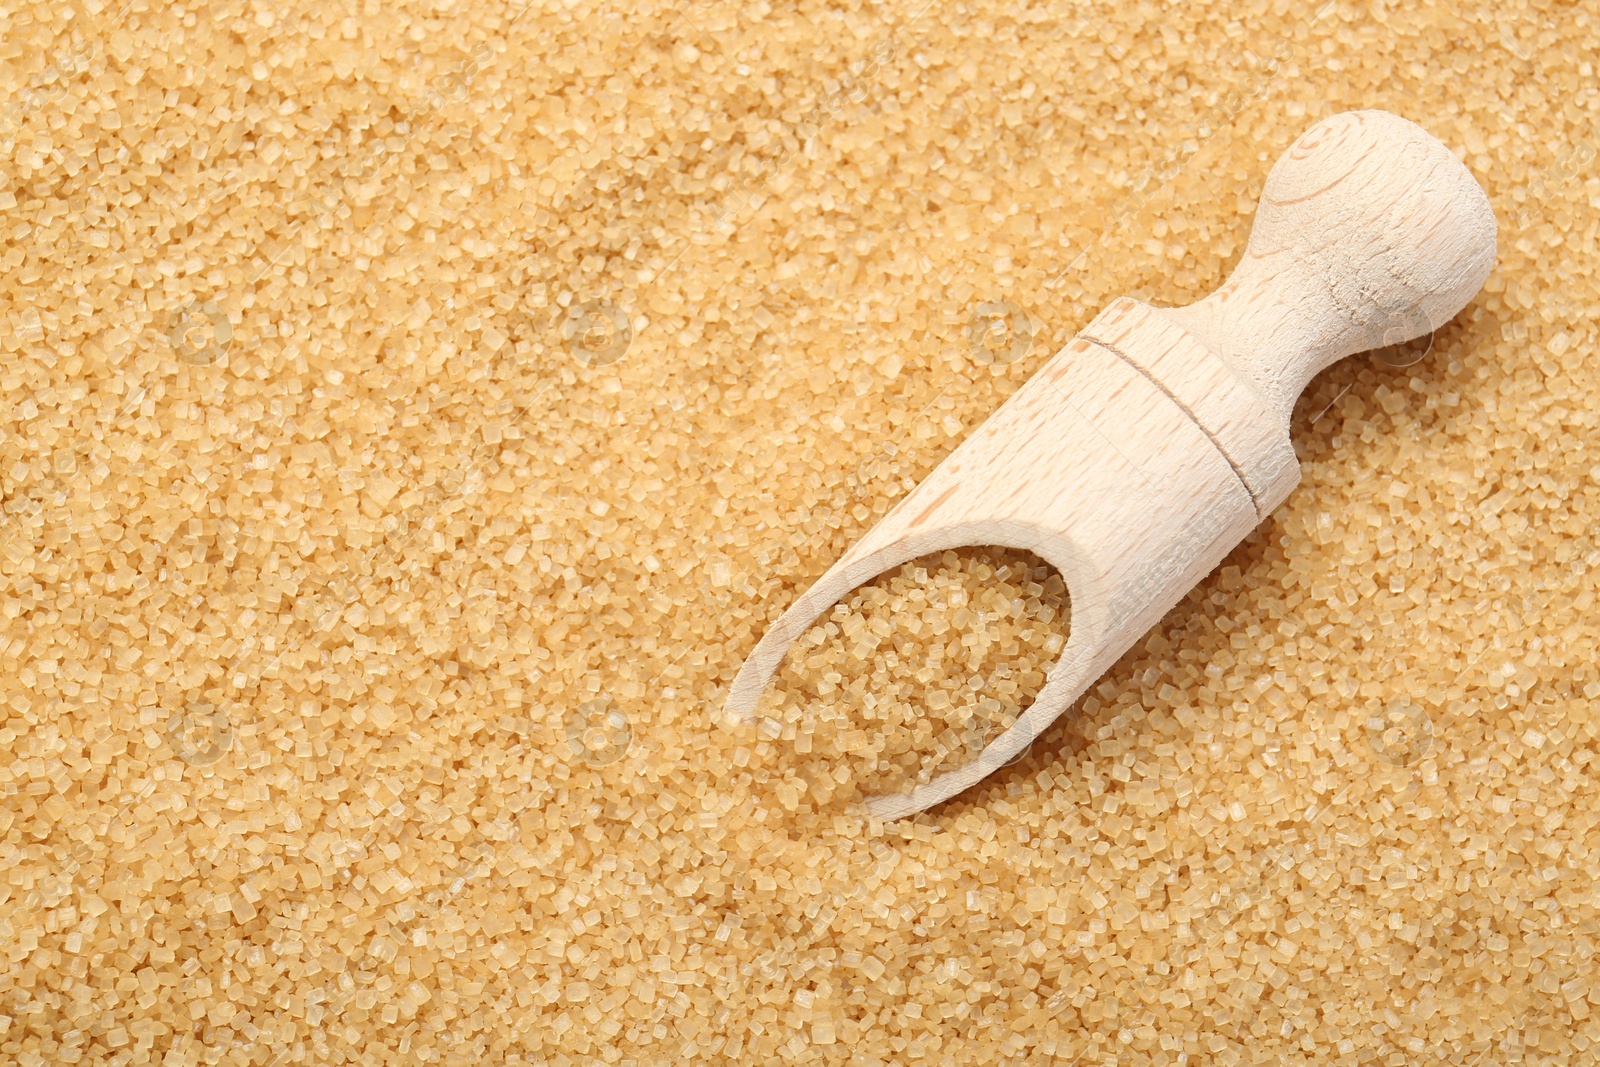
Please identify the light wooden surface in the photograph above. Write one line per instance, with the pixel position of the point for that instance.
(1150, 445)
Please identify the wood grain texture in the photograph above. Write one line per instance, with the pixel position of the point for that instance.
(1155, 440)
(1369, 232)
(1228, 407)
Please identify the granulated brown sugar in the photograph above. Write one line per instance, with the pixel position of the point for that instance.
(914, 674)
(413, 413)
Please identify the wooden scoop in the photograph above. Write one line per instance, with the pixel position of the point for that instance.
(1152, 443)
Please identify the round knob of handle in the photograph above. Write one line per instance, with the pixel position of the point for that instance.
(1369, 232)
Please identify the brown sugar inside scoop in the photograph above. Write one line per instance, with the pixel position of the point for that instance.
(1149, 446)
(915, 672)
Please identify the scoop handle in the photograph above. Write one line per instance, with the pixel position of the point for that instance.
(1369, 232)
